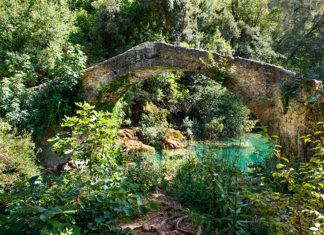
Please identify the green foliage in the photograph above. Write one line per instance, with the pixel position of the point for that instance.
(37, 111)
(120, 26)
(144, 171)
(15, 100)
(209, 185)
(17, 156)
(187, 126)
(210, 101)
(185, 95)
(75, 200)
(91, 138)
(91, 199)
(38, 43)
(34, 49)
(244, 24)
(214, 128)
(293, 194)
(34, 37)
(153, 125)
(300, 34)
(218, 69)
(163, 90)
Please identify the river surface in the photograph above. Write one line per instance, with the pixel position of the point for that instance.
(250, 148)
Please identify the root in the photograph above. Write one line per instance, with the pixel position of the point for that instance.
(199, 232)
(146, 226)
(178, 225)
(164, 222)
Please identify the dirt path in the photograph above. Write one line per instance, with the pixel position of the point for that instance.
(169, 220)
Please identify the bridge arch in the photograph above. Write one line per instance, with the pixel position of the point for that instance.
(257, 84)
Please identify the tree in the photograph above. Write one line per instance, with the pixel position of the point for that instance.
(300, 34)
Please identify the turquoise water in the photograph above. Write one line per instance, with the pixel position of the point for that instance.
(251, 148)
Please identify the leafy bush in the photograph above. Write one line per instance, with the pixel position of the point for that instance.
(187, 126)
(214, 128)
(17, 156)
(74, 200)
(150, 135)
(153, 125)
(34, 37)
(16, 101)
(34, 49)
(210, 100)
(92, 137)
(291, 200)
(210, 186)
(58, 97)
(87, 200)
(144, 171)
(37, 111)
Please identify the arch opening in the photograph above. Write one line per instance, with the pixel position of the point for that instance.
(169, 110)
(257, 85)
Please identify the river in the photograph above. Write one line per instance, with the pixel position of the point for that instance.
(250, 148)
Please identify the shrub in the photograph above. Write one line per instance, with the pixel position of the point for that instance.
(82, 202)
(17, 156)
(34, 49)
(92, 138)
(187, 126)
(291, 201)
(144, 171)
(153, 125)
(209, 100)
(34, 37)
(210, 186)
(214, 128)
(86, 200)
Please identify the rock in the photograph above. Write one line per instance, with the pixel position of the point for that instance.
(127, 133)
(316, 85)
(173, 139)
(49, 159)
(130, 143)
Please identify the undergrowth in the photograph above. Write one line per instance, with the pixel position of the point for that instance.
(17, 156)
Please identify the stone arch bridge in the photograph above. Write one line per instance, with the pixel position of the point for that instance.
(257, 85)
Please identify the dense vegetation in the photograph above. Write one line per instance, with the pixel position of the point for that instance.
(45, 45)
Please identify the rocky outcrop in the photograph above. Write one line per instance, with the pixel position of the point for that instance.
(257, 85)
(173, 139)
(129, 143)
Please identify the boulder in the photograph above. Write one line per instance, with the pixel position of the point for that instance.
(129, 142)
(173, 139)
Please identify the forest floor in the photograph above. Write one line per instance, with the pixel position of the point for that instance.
(171, 219)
